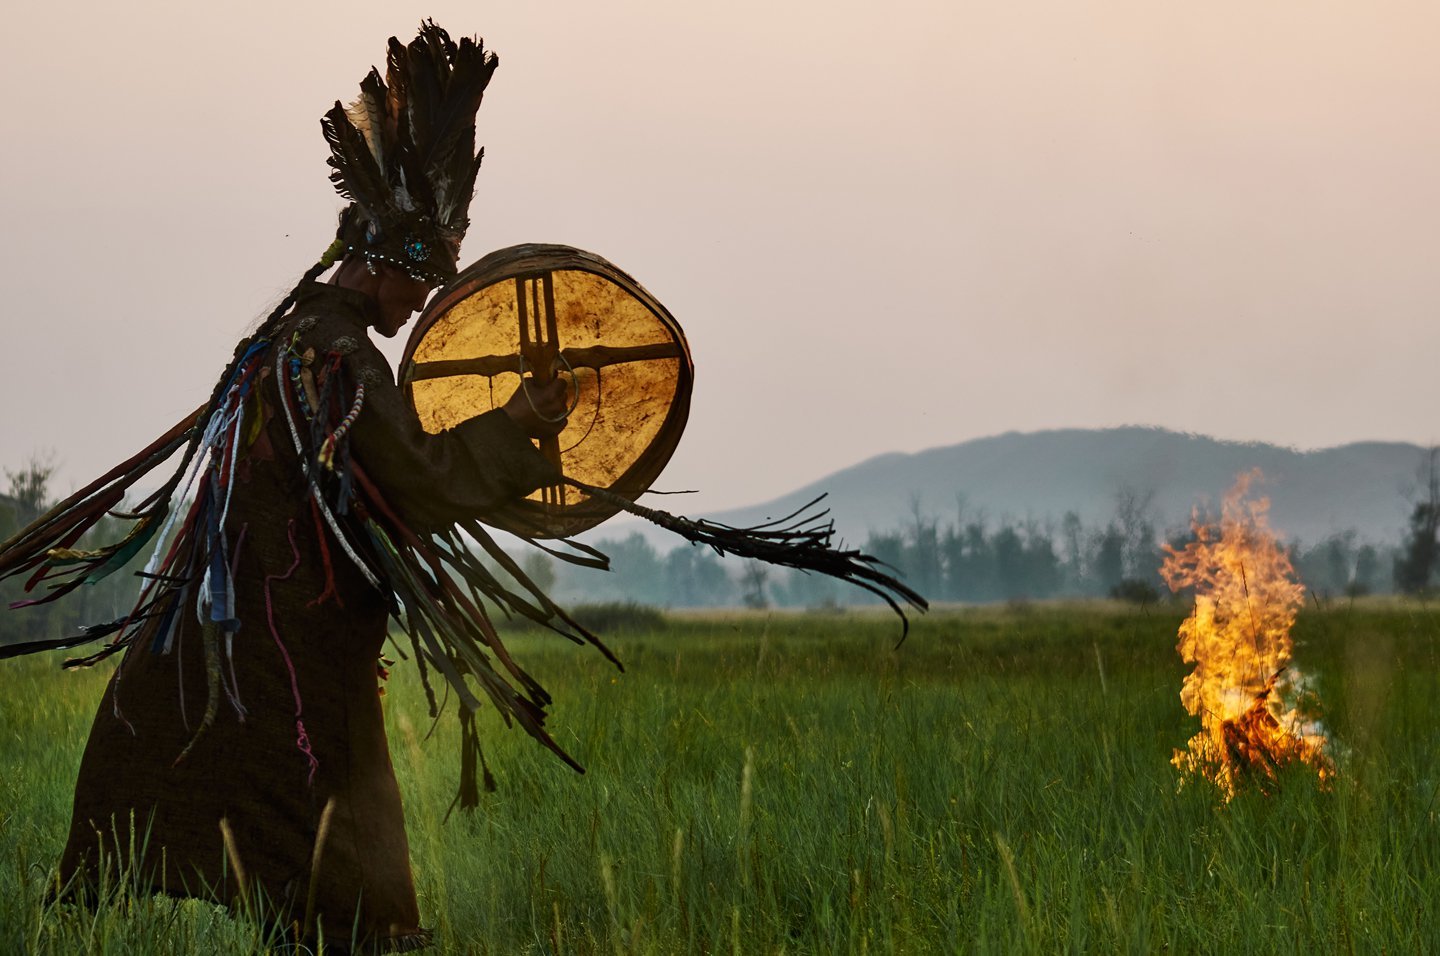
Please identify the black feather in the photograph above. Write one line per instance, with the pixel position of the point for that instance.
(354, 172)
(423, 112)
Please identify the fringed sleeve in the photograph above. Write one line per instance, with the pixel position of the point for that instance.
(432, 480)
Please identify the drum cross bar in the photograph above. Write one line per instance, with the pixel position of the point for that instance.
(539, 347)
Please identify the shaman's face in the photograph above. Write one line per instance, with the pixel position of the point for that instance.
(399, 297)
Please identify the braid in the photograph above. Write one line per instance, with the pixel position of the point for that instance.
(273, 319)
(266, 328)
(348, 218)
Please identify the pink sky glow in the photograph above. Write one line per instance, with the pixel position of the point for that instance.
(882, 231)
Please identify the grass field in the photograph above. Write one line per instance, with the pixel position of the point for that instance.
(796, 784)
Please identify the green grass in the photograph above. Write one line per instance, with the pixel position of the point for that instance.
(796, 784)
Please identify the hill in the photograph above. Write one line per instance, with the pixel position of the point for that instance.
(1363, 486)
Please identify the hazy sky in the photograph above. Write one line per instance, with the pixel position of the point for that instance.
(883, 227)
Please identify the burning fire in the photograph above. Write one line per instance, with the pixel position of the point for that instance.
(1243, 687)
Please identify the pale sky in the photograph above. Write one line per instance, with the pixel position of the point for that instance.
(883, 227)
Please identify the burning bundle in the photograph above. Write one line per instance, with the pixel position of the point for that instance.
(1238, 637)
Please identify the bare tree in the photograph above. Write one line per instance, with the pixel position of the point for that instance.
(1415, 565)
(540, 570)
(923, 567)
(752, 585)
(1133, 516)
(30, 486)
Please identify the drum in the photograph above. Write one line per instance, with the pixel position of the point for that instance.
(545, 310)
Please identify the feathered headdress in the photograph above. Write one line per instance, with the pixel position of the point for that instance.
(404, 153)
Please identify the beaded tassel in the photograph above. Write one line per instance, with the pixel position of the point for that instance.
(327, 450)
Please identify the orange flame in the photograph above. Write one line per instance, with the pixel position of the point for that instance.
(1243, 687)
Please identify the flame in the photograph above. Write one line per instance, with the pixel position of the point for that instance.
(1243, 687)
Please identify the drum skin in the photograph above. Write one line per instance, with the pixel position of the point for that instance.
(552, 309)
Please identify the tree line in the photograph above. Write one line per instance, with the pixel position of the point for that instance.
(27, 497)
(968, 557)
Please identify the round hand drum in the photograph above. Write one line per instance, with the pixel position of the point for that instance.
(547, 310)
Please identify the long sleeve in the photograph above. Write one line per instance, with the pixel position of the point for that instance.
(432, 479)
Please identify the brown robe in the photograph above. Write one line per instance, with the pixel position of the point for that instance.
(251, 783)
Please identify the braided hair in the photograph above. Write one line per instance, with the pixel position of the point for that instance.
(334, 252)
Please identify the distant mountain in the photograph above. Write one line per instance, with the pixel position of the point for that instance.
(1041, 475)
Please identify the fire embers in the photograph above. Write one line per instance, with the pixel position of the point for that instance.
(1250, 701)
